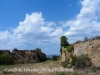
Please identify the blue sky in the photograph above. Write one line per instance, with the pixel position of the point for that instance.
(28, 24)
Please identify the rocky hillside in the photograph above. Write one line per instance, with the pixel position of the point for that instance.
(25, 56)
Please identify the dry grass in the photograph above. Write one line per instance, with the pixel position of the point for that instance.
(48, 63)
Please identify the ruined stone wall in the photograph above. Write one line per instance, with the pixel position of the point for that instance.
(25, 56)
(65, 54)
(92, 48)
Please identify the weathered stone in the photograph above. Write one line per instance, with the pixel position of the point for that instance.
(25, 56)
(65, 55)
(91, 47)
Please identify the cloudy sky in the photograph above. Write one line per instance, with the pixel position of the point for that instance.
(30, 24)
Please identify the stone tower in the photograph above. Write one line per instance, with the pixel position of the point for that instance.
(65, 55)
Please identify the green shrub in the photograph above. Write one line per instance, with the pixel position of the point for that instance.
(73, 57)
(80, 62)
(69, 48)
(15, 49)
(83, 61)
(5, 72)
(88, 62)
(78, 41)
(64, 64)
(5, 59)
(93, 69)
(60, 73)
(76, 73)
(54, 57)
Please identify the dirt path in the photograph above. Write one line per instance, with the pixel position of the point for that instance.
(25, 69)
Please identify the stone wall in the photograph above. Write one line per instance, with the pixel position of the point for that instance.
(92, 48)
(65, 54)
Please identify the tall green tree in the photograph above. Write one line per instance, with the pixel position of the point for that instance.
(63, 42)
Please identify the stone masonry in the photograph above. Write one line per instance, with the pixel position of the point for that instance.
(90, 47)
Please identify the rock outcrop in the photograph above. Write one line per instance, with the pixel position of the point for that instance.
(25, 56)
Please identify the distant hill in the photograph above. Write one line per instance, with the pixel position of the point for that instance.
(50, 56)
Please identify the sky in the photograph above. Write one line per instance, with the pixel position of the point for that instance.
(31, 24)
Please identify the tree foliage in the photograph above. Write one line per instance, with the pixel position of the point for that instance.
(38, 49)
(63, 42)
(5, 59)
(54, 57)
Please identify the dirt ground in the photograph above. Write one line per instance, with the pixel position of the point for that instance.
(45, 68)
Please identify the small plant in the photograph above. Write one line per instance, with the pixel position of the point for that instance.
(69, 48)
(78, 42)
(94, 69)
(76, 73)
(64, 64)
(5, 72)
(15, 49)
(60, 73)
(54, 57)
(73, 57)
(80, 62)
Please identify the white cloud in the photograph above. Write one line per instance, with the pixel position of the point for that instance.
(86, 23)
(34, 29)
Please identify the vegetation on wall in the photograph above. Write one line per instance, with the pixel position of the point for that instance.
(69, 48)
(73, 57)
(83, 61)
(88, 39)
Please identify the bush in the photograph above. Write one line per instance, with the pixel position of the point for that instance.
(83, 61)
(80, 62)
(15, 49)
(93, 69)
(54, 57)
(64, 64)
(78, 41)
(60, 73)
(73, 57)
(76, 73)
(5, 59)
(69, 48)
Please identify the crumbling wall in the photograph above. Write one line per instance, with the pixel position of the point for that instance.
(91, 47)
(65, 54)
